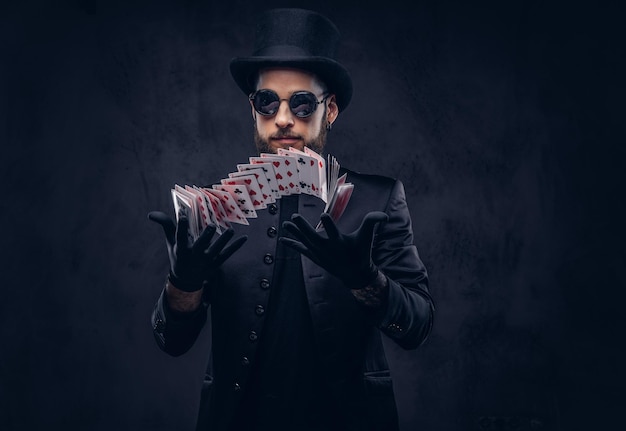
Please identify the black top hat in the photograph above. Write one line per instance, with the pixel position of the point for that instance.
(296, 38)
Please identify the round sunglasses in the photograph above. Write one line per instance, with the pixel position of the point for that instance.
(301, 103)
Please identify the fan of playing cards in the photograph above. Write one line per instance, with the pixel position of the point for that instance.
(259, 183)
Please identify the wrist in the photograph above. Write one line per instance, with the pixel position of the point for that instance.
(375, 293)
(181, 301)
(184, 285)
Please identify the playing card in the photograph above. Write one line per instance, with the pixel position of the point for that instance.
(280, 173)
(259, 183)
(333, 185)
(332, 174)
(268, 170)
(233, 213)
(261, 178)
(241, 197)
(205, 213)
(301, 182)
(286, 172)
(322, 185)
(339, 191)
(218, 212)
(340, 200)
(182, 204)
(252, 186)
(307, 171)
(185, 204)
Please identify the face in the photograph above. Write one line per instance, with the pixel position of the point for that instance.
(284, 129)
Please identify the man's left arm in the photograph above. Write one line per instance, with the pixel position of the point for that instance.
(378, 262)
(399, 294)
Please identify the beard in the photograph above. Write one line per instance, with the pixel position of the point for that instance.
(317, 144)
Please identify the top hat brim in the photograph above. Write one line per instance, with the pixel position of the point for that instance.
(244, 71)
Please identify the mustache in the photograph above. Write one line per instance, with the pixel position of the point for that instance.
(285, 134)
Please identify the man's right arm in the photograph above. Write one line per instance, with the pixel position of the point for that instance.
(178, 318)
(181, 301)
(181, 311)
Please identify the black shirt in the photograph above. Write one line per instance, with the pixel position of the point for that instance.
(286, 388)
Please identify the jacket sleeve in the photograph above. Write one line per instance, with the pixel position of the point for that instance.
(408, 315)
(174, 332)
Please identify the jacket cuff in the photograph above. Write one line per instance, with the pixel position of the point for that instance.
(400, 324)
(176, 331)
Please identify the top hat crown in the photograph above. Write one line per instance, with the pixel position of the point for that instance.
(295, 38)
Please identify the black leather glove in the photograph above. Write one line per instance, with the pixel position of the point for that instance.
(192, 262)
(346, 256)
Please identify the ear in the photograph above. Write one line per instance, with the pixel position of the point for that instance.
(332, 110)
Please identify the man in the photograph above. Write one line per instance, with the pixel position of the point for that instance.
(297, 312)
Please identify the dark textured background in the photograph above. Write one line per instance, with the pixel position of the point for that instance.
(505, 122)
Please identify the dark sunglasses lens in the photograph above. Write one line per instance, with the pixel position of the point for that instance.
(303, 104)
(266, 102)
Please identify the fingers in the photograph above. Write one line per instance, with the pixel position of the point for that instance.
(303, 231)
(301, 236)
(219, 244)
(218, 252)
(182, 233)
(230, 249)
(166, 222)
(303, 226)
(370, 220)
(292, 229)
(204, 240)
(158, 216)
(299, 247)
(329, 226)
(292, 243)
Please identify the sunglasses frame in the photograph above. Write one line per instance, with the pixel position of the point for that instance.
(317, 102)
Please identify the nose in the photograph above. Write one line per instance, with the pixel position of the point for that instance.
(284, 116)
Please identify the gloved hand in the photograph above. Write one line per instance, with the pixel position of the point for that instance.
(346, 256)
(192, 262)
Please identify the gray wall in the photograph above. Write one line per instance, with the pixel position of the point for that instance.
(502, 121)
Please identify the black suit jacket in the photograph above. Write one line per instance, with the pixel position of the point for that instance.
(347, 334)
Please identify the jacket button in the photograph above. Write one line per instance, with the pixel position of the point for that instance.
(272, 232)
(259, 310)
(268, 259)
(273, 209)
(159, 325)
(253, 336)
(245, 361)
(394, 327)
(265, 283)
